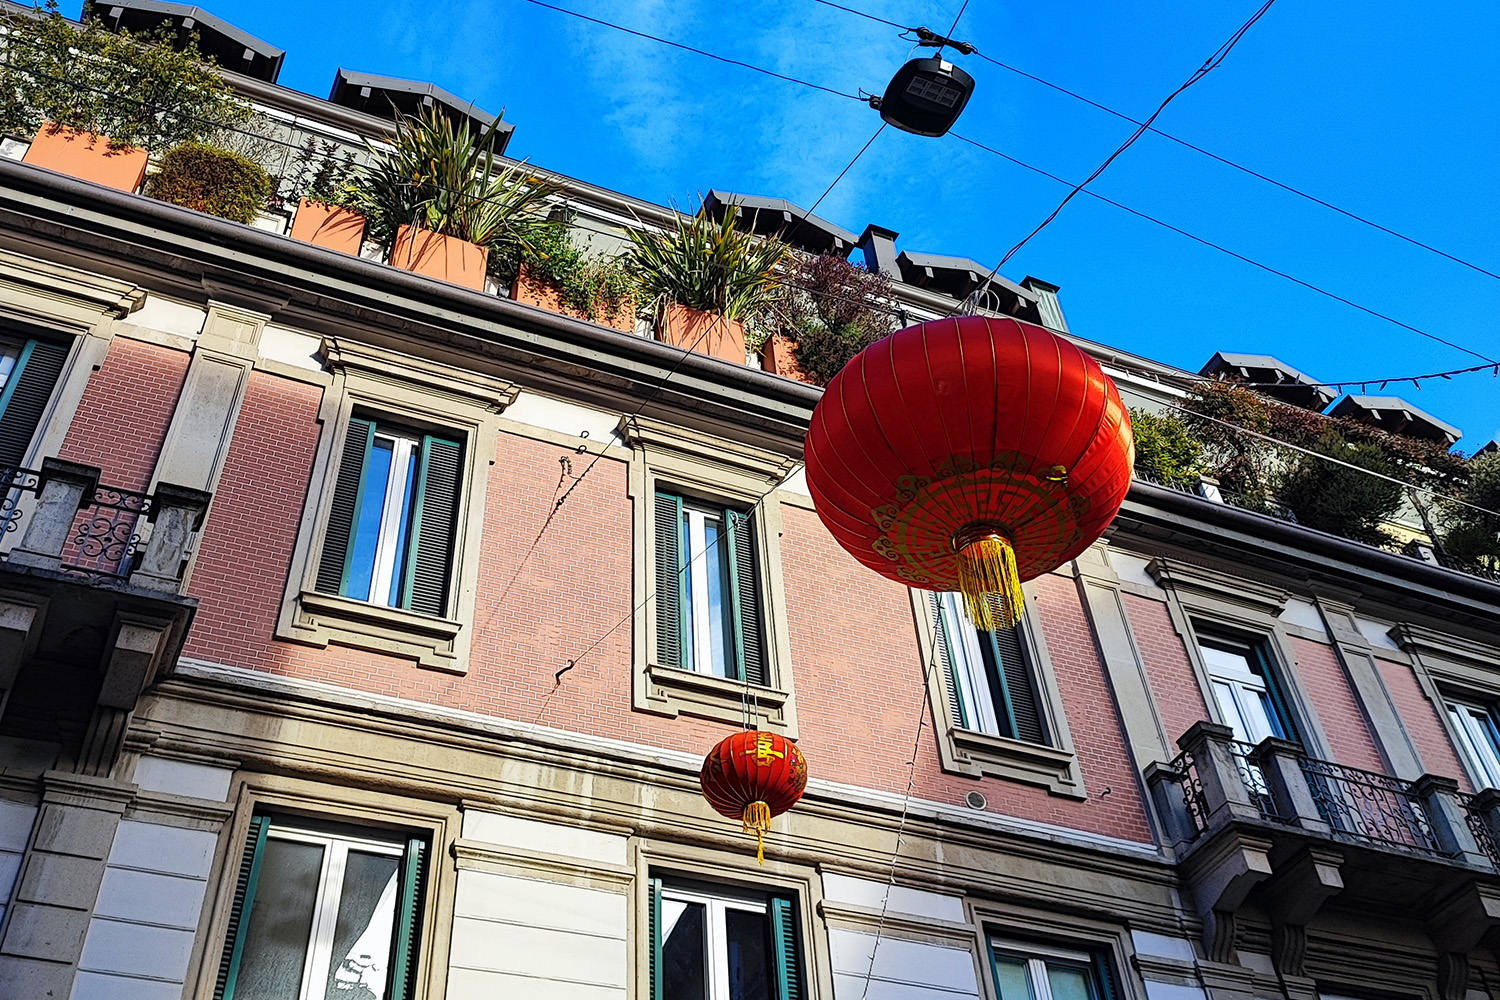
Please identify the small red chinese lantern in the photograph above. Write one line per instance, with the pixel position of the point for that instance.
(970, 454)
(753, 776)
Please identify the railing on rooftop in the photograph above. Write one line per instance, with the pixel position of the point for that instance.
(1217, 780)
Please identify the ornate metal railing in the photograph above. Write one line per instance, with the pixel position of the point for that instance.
(106, 532)
(1370, 806)
(14, 484)
(1474, 818)
(1250, 775)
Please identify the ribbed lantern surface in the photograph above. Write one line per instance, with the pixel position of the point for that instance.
(753, 776)
(969, 454)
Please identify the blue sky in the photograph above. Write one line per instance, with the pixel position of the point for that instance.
(1385, 109)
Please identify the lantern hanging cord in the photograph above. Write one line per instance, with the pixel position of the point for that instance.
(1208, 66)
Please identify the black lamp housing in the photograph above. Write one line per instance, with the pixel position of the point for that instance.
(926, 96)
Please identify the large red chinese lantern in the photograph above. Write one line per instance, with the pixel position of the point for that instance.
(970, 454)
(753, 776)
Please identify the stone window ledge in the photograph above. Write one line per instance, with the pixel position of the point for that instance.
(320, 619)
(981, 754)
(673, 691)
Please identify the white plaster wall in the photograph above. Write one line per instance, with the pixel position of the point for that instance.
(1131, 569)
(141, 935)
(1304, 613)
(1162, 946)
(868, 893)
(566, 418)
(903, 970)
(1377, 634)
(16, 819)
(524, 938)
(1156, 990)
(290, 346)
(158, 313)
(531, 835)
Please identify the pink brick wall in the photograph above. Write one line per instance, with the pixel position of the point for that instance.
(1420, 717)
(859, 680)
(147, 379)
(1174, 685)
(1327, 686)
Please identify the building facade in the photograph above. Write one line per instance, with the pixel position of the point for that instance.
(312, 689)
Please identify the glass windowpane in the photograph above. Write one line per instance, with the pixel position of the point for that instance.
(684, 968)
(749, 955)
(9, 355)
(362, 934)
(368, 518)
(715, 571)
(280, 926)
(1011, 978)
(1068, 982)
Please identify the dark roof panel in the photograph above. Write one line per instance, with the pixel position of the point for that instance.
(389, 97)
(1396, 415)
(1291, 385)
(230, 47)
(782, 219)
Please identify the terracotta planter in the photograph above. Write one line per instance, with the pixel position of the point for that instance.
(707, 333)
(446, 258)
(328, 226)
(533, 291)
(779, 357)
(87, 157)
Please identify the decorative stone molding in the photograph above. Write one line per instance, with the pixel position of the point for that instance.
(62, 297)
(1175, 574)
(408, 372)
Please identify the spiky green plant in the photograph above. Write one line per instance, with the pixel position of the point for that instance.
(442, 177)
(707, 265)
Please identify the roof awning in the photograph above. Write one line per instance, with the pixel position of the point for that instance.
(390, 97)
(230, 47)
(1273, 378)
(1391, 413)
(780, 218)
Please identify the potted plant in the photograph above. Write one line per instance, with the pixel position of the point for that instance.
(551, 271)
(703, 278)
(213, 180)
(99, 101)
(825, 311)
(439, 199)
(324, 215)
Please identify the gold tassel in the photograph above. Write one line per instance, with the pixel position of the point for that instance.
(757, 818)
(989, 581)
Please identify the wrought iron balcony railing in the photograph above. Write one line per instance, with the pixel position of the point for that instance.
(95, 532)
(1217, 780)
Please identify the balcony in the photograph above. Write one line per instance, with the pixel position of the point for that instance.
(90, 608)
(1269, 833)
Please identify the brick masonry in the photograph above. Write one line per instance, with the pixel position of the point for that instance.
(148, 379)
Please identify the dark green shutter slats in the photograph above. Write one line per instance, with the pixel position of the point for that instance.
(408, 922)
(239, 912)
(749, 628)
(1104, 977)
(1273, 687)
(1020, 686)
(436, 516)
(333, 564)
(669, 574)
(25, 398)
(653, 934)
(945, 662)
(784, 946)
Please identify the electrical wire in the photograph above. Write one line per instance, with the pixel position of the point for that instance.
(1364, 383)
(1208, 66)
(860, 13)
(939, 54)
(1225, 250)
(696, 51)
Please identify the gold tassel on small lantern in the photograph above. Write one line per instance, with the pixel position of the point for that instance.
(988, 579)
(757, 820)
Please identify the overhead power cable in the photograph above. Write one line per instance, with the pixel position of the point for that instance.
(1208, 66)
(697, 51)
(1225, 250)
(1365, 383)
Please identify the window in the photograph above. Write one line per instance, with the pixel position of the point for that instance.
(1478, 740)
(390, 529)
(28, 373)
(322, 914)
(1037, 972)
(1246, 689)
(708, 595)
(714, 944)
(990, 685)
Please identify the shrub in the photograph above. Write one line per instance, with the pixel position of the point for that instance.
(1472, 540)
(137, 89)
(831, 309)
(1165, 452)
(589, 285)
(707, 265)
(211, 180)
(1337, 499)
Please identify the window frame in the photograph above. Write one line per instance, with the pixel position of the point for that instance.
(1452, 668)
(1095, 962)
(978, 754)
(1483, 775)
(416, 395)
(734, 476)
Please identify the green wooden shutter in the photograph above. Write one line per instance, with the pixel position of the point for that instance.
(1262, 663)
(430, 565)
(25, 398)
(944, 654)
(1104, 977)
(669, 580)
(338, 541)
(239, 912)
(744, 600)
(653, 933)
(408, 922)
(784, 947)
(1019, 685)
